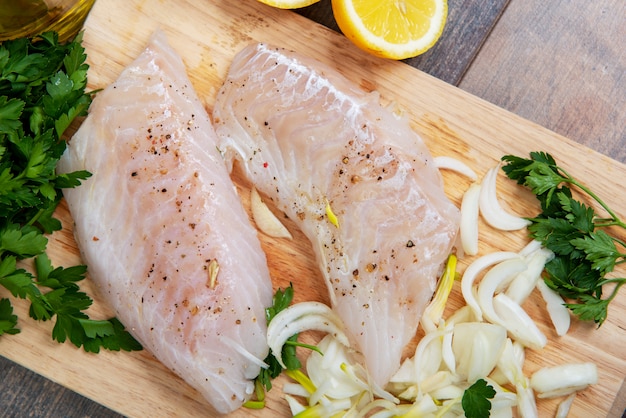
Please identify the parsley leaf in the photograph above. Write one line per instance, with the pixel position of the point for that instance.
(8, 321)
(584, 250)
(42, 91)
(475, 400)
(281, 300)
(599, 249)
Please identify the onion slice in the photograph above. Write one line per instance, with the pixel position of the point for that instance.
(526, 405)
(559, 314)
(564, 406)
(518, 323)
(490, 207)
(471, 273)
(449, 163)
(477, 347)
(327, 370)
(510, 364)
(428, 354)
(469, 219)
(494, 281)
(301, 317)
(521, 287)
(295, 406)
(530, 248)
(267, 222)
(564, 379)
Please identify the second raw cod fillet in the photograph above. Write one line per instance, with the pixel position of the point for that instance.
(317, 145)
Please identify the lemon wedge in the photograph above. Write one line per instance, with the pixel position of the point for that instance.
(288, 4)
(395, 29)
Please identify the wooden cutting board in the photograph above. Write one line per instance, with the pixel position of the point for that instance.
(207, 34)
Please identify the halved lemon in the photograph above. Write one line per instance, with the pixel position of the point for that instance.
(396, 29)
(289, 4)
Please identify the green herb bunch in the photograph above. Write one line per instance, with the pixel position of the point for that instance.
(585, 250)
(42, 90)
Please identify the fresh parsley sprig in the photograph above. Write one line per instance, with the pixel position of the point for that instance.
(585, 251)
(42, 90)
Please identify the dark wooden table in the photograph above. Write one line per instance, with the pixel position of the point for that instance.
(561, 64)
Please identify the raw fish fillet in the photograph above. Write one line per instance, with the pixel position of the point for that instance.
(158, 216)
(317, 145)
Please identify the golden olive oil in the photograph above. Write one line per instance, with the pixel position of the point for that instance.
(27, 18)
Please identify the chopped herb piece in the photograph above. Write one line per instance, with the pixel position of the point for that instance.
(475, 401)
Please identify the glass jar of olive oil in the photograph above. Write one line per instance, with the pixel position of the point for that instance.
(27, 18)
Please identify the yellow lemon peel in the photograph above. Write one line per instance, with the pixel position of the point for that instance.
(288, 4)
(395, 29)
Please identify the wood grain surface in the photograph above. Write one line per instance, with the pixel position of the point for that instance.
(561, 64)
(452, 123)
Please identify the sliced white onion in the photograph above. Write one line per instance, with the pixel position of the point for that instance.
(427, 356)
(329, 408)
(469, 219)
(525, 282)
(495, 280)
(526, 405)
(425, 406)
(471, 273)
(498, 376)
(510, 365)
(463, 314)
(477, 347)
(497, 411)
(449, 163)
(503, 398)
(295, 389)
(559, 314)
(386, 406)
(564, 406)
(563, 379)
(301, 317)
(295, 406)
(325, 387)
(406, 372)
(530, 248)
(448, 392)
(436, 381)
(327, 370)
(490, 207)
(410, 394)
(518, 323)
(267, 222)
(519, 353)
(370, 388)
(447, 354)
